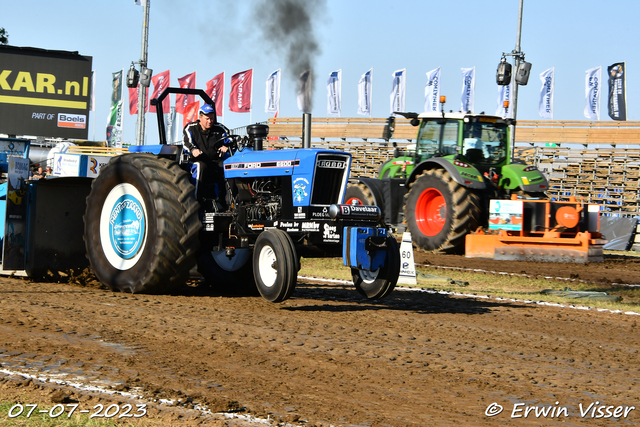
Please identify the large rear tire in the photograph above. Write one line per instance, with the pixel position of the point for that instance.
(381, 282)
(141, 224)
(275, 265)
(358, 194)
(440, 212)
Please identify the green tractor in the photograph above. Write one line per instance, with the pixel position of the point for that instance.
(440, 189)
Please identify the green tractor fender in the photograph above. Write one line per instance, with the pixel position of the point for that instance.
(520, 176)
(399, 167)
(461, 172)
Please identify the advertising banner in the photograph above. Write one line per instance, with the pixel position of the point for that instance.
(468, 89)
(617, 91)
(334, 92)
(432, 91)
(365, 86)
(272, 104)
(15, 220)
(215, 90)
(240, 96)
(65, 164)
(114, 124)
(44, 93)
(505, 93)
(592, 93)
(398, 91)
(190, 113)
(186, 82)
(160, 83)
(133, 100)
(545, 106)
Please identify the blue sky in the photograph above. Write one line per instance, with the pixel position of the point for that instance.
(211, 36)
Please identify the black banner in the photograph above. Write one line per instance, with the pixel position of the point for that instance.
(617, 91)
(44, 92)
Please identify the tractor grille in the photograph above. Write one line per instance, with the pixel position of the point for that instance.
(330, 177)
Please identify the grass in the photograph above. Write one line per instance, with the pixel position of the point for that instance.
(504, 286)
(37, 419)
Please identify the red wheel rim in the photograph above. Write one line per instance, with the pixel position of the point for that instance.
(353, 201)
(431, 212)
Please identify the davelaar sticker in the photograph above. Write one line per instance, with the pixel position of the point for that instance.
(126, 226)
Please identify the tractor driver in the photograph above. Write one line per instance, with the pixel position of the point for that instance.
(199, 140)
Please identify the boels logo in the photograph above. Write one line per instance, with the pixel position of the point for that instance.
(76, 121)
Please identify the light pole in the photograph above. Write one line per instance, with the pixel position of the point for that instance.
(146, 75)
(522, 70)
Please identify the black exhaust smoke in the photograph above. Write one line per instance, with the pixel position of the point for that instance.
(287, 25)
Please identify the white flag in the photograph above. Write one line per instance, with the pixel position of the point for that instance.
(592, 93)
(545, 107)
(505, 93)
(334, 92)
(398, 90)
(432, 91)
(365, 85)
(468, 89)
(272, 104)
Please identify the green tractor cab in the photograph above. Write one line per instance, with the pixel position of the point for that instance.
(440, 188)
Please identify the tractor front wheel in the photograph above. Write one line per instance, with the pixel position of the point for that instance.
(275, 265)
(440, 212)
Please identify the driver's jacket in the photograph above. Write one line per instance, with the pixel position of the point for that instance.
(195, 137)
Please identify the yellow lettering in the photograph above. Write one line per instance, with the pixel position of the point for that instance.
(3, 80)
(72, 85)
(45, 81)
(85, 86)
(23, 81)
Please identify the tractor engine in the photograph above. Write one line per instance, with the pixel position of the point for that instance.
(261, 198)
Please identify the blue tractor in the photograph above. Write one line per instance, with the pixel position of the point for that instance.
(145, 231)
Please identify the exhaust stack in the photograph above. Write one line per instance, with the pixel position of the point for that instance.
(306, 130)
(257, 133)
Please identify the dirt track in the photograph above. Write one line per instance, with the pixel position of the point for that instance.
(328, 357)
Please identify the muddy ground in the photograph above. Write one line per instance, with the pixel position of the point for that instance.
(328, 357)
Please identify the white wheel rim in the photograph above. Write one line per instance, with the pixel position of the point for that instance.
(369, 276)
(266, 260)
(123, 226)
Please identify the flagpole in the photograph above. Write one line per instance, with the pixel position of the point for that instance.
(223, 102)
(122, 110)
(371, 94)
(552, 89)
(251, 100)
